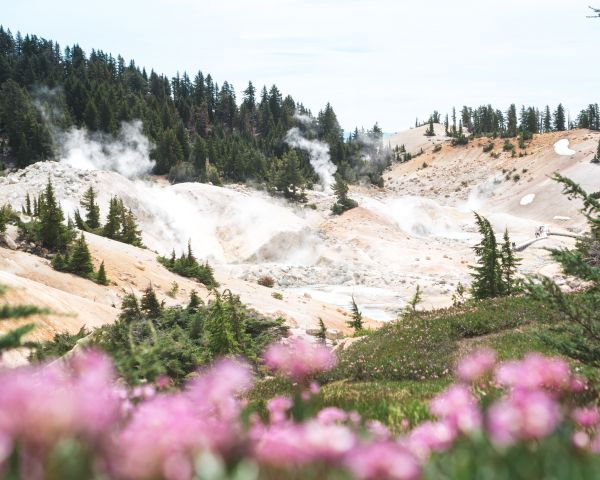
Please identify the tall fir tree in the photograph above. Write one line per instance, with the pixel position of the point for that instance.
(356, 320)
(487, 274)
(560, 122)
(51, 230)
(92, 210)
(509, 265)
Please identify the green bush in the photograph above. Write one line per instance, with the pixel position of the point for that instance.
(187, 266)
(175, 341)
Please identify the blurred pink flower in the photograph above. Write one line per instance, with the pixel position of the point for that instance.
(586, 417)
(580, 440)
(332, 415)
(524, 415)
(458, 408)
(383, 461)
(475, 366)
(535, 371)
(430, 437)
(278, 408)
(299, 360)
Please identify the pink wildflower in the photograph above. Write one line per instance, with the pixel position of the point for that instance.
(299, 360)
(383, 461)
(580, 440)
(476, 365)
(586, 417)
(278, 408)
(457, 407)
(535, 371)
(331, 415)
(525, 415)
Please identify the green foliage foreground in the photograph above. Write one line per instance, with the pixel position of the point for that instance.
(150, 340)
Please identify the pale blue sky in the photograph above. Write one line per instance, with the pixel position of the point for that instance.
(378, 60)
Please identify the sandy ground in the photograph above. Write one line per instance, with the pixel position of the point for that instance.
(418, 230)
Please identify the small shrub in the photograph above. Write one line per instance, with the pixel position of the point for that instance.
(516, 177)
(277, 295)
(488, 148)
(508, 146)
(266, 281)
(173, 290)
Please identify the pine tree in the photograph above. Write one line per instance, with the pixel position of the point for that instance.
(101, 278)
(509, 264)
(343, 202)
(80, 258)
(195, 301)
(130, 309)
(547, 120)
(287, 176)
(577, 333)
(130, 233)
(511, 121)
(92, 210)
(13, 338)
(322, 333)
(51, 231)
(487, 276)
(430, 132)
(149, 304)
(28, 210)
(112, 227)
(218, 333)
(559, 119)
(356, 321)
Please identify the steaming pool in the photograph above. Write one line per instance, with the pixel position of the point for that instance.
(380, 304)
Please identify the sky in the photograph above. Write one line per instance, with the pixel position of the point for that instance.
(386, 61)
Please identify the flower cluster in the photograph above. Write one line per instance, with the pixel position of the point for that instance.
(150, 433)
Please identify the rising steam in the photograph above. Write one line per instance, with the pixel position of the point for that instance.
(128, 153)
(319, 156)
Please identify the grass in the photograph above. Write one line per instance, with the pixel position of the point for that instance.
(391, 374)
(399, 405)
(426, 346)
(512, 344)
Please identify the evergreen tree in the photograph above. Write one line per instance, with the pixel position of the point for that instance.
(219, 334)
(356, 319)
(130, 233)
(80, 258)
(343, 202)
(430, 132)
(50, 229)
(92, 210)
(149, 304)
(28, 210)
(322, 333)
(195, 301)
(578, 335)
(101, 277)
(14, 338)
(547, 120)
(487, 276)
(287, 177)
(509, 264)
(511, 121)
(559, 118)
(112, 227)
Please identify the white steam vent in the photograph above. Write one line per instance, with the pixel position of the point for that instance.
(128, 153)
(319, 156)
